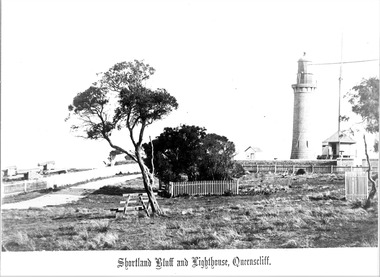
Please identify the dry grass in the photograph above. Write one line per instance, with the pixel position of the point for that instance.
(284, 218)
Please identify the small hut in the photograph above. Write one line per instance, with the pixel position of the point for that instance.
(249, 154)
(46, 166)
(336, 147)
(10, 171)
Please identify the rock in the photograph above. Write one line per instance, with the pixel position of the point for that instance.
(290, 244)
(188, 211)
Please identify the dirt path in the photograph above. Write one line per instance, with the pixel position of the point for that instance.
(67, 195)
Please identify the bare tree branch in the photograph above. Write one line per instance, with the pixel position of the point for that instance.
(151, 160)
(373, 189)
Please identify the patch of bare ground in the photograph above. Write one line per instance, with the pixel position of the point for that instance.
(63, 189)
(270, 212)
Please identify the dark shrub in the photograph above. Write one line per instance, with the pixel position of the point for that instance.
(301, 171)
(116, 190)
(237, 170)
(228, 193)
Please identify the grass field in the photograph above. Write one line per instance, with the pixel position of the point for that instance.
(270, 212)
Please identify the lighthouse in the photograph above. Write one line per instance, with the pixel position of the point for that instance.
(302, 141)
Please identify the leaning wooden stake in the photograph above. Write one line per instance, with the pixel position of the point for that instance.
(373, 189)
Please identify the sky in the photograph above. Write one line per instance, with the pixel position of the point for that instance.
(230, 65)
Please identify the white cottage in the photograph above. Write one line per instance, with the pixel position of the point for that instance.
(249, 154)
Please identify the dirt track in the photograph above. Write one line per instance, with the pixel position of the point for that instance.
(67, 195)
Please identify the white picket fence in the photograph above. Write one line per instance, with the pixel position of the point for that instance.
(202, 188)
(356, 185)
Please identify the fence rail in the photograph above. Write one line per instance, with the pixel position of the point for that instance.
(202, 188)
(308, 168)
(25, 186)
(64, 179)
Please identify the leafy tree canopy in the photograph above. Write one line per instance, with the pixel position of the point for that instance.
(217, 154)
(364, 99)
(120, 100)
(176, 151)
(190, 151)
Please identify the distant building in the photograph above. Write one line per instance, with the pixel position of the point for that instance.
(30, 173)
(10, 171)
(250, 153)
(335, 147)
(47, 165)
(48, 168)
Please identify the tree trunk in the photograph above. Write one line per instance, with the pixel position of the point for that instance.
(373, 190)
(148, 180)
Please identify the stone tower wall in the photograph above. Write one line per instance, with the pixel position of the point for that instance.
(302, 140)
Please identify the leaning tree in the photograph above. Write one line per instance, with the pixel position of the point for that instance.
(118, 101)
(364, 99)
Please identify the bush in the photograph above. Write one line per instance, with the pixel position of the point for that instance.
(301, 171)
(228, 193)
(237, 170)
(116, 190)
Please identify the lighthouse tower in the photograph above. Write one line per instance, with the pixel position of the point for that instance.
(303, 104)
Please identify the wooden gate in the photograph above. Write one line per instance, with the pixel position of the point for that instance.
(134, 202)
(356, 185)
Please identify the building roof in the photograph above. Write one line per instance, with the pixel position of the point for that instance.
(45, 163)
(344, 138)
(255, 149)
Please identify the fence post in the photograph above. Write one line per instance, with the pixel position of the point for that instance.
(332, 169)
(312, 168)
(24, 186)
(257, 168)
(294, 168)
(171, 189)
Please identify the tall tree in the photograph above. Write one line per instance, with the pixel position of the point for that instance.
(120, 101)
(217, 158)
(188, 150)
(177, 152)
(364, 99)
